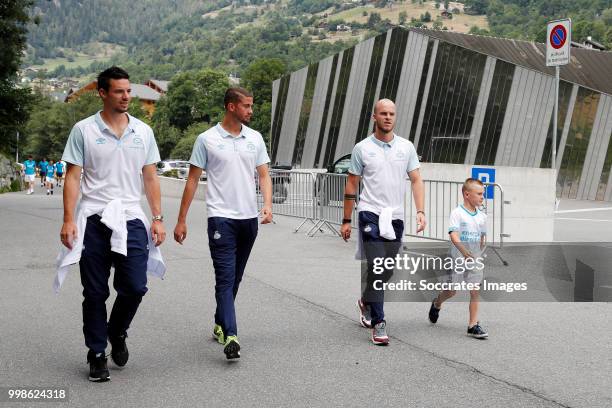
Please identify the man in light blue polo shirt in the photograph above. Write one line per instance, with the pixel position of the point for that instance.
(118, 155)
(230, 152)
(382, 161)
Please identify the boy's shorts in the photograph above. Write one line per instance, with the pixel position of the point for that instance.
(473, 276)
(50, 179)
(30, 178)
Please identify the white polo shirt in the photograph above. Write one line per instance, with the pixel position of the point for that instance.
(383, 168)
(112, 167)
(230, 164)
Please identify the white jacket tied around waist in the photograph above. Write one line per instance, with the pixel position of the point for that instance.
(115, 216)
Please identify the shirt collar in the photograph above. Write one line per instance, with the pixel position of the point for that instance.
(224, 133)
(103, 126)
(383, 144)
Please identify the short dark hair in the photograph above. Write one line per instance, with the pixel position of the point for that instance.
(233, 95)
(113, 72)
(467, 185)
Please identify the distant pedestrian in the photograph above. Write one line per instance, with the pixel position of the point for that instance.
(50, 177)
(30, 174)
(42, 171)
(59, 173)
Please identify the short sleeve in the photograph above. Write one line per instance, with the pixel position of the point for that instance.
(152, 151)
(199, 154)
(356, 166)
(454, 222)
(413, 159)
(75, 147)
(262, 154)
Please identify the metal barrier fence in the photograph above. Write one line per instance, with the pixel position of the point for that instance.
(318, 198)
(441, 197)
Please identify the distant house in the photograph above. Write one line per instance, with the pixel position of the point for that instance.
(590, 44)
(148, 96)
(446, 14)
(343, 27)
(158, 85)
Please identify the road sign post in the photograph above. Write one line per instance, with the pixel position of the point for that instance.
(558, 45)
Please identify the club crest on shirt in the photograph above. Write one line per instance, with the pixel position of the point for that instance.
(137, 141)
(100, 140)
(221, 146)
(372, 154)
(250, 147)
(400, 154)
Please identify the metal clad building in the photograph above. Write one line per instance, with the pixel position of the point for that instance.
(460, 99)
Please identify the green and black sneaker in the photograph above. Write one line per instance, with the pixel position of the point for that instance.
(218, 334)
(232, 348)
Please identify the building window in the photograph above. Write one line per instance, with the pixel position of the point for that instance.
(370, 90)
(565, 93)
(336, 119)
(393, 65)
(451, 104)
(300, 137)
(419, 100)
(494, 115)
(605, 173)
(330, 87)
(577, 143)
(279, 113)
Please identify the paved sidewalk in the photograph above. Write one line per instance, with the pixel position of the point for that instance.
(302, 345)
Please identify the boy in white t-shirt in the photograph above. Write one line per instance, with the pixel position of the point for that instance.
(467, 229)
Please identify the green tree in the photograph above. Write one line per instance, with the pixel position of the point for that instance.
(14, 103)
(195, 97)
(183, 148)
(258, 78)
(403, 16)
(373, 20)
(50, 123)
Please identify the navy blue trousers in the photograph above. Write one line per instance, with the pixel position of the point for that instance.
(230, 243)
(130, 280)
(376, 246)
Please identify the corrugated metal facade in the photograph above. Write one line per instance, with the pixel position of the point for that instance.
(460, 99)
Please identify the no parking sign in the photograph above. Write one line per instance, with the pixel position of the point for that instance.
(558, 42)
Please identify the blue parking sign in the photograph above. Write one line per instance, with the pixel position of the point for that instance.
(486, 175)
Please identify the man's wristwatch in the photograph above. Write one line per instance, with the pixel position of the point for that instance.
(159, 218)
(346, 221)
(421, 211)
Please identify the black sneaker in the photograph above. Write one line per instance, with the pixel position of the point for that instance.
(232, 348)
(119, 352)
(477, 331)
(434, 312)
(98, 371)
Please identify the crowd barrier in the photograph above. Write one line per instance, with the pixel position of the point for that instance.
(318, 199)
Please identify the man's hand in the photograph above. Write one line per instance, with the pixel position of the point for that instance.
(266, 215)
(421, 222)
(68, 234)
(158, 233)
(180, 232)
(345, 231)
